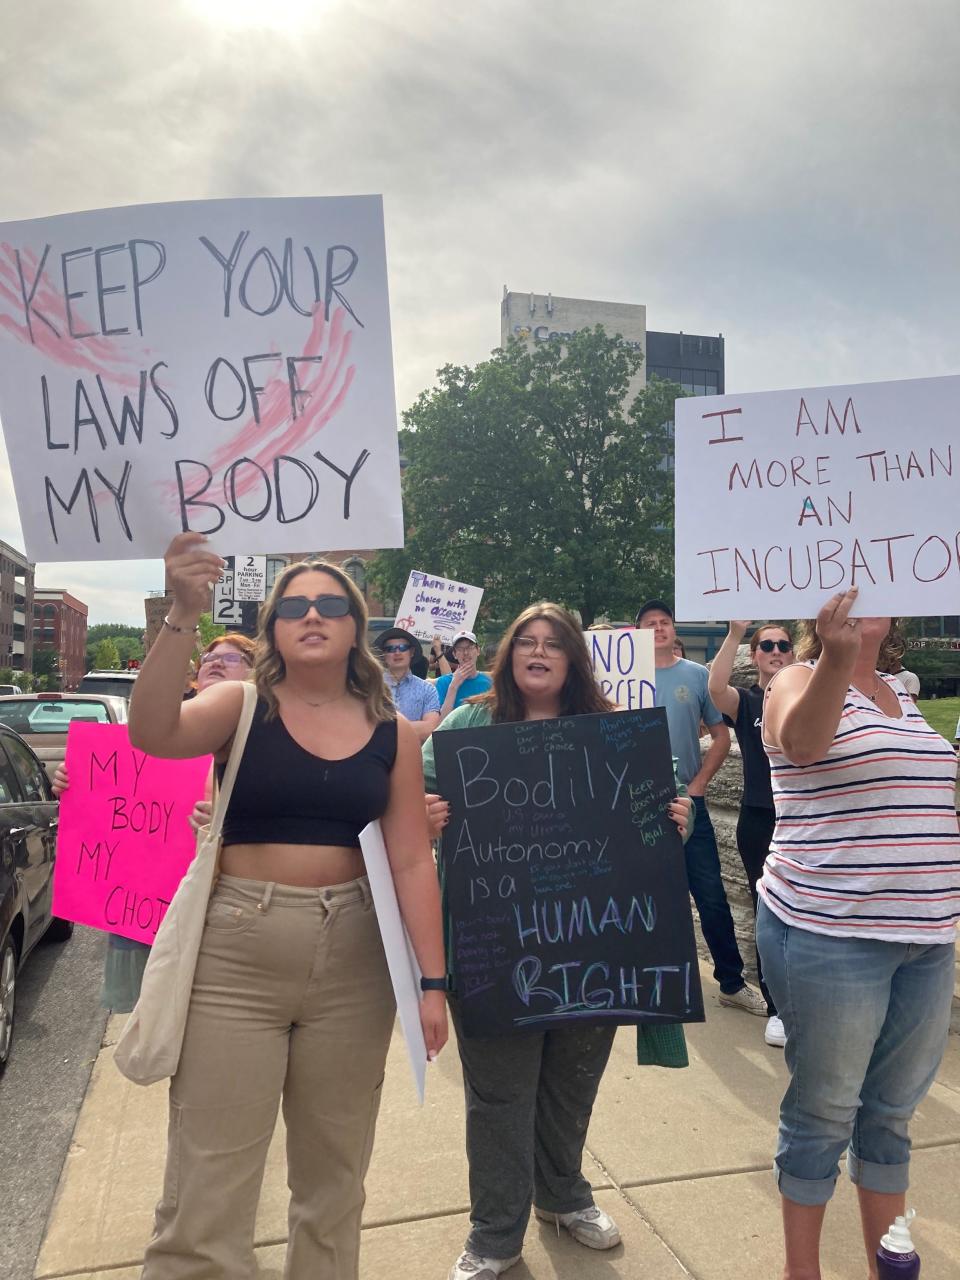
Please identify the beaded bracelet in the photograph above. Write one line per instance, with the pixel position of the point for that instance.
(182, 631)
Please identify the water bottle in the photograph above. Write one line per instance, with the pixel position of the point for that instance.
(896, 1258)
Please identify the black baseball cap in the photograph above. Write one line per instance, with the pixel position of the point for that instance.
(395, 633)
(653, 604)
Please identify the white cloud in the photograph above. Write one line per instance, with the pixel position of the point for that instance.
(786, 176)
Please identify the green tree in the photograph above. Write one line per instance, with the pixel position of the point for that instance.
(9, 676)
(526, 476)
(209, 630)
(106, 656)
(127, 638)
(45, 662)
(46, 669)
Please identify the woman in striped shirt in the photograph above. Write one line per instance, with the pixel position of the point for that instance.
(860, 898)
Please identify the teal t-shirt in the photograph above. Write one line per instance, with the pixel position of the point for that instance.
(479, 683)
(682, 690)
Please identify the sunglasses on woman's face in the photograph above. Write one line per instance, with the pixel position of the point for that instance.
(299, 606)
(768, 646)
(396, 648)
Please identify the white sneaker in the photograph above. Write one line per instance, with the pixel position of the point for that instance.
(774, 1033)
(590, 1226)
(470, 1266)
(748, 999)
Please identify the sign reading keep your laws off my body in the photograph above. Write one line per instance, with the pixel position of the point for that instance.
(221, 366)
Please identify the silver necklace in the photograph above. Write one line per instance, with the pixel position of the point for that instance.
(324, 703)
(876, 692)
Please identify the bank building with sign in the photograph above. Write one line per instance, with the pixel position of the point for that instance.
(692, 360)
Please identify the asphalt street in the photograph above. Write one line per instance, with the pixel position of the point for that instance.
(58, 1030)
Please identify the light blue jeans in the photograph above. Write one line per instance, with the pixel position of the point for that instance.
(866, 1025)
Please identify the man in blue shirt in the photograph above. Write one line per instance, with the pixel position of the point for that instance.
(466, 681)
(415, 699)
(682, 691)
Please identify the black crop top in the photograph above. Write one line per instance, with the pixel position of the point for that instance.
(285, 795)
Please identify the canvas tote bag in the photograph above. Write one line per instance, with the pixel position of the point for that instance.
(149, 1046)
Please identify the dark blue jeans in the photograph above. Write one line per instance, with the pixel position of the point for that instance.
(706, 886)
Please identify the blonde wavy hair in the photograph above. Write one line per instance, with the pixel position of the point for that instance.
(364, 673)
(892, 647)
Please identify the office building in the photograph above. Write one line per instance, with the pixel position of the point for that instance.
(16, 609)
(60, 624)
(693, 361)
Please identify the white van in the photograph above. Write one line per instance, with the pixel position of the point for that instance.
(117, 683)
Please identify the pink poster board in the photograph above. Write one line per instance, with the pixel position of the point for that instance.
(124, 841)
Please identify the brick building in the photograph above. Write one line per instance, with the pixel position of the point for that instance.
(16, 609)
(60, 624)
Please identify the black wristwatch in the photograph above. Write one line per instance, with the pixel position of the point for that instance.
(433, 984)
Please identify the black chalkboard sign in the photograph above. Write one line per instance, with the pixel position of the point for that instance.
(565, 875)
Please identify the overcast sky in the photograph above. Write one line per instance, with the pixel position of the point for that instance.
(788, 176)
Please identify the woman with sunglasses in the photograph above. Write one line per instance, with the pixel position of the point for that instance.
(291, 997)
(771, 649)
(529, 1096)
(860, 898)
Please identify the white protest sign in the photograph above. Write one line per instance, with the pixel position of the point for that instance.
(221, 366)
(624, 666)
(785, 497)
(433, 606)
(402, 963)
(250, 578)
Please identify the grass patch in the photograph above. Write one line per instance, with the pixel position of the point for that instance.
(941, 714)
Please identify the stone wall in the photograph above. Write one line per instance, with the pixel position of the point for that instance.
(723, 801)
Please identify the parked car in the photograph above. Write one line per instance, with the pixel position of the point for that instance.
(9, 688)
(117, 683)
(42, 719)
(28, 843)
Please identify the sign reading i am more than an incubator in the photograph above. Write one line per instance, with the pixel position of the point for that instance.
(565, 879)
(785, 497)
(217, 366)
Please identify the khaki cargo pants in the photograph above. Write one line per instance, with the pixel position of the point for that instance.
(291, 999)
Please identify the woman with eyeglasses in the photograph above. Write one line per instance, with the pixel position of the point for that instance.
(860, 899)
(771, 649)
(227, 657)
(291, 997)
(529, 1096)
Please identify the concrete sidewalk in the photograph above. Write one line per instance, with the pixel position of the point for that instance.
(680, 1158)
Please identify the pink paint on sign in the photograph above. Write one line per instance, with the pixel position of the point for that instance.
(124, 842)
(91, 353)
(275, 429)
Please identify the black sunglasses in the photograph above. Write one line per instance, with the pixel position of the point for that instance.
(768, 646)
(299, 606)
(396, 648)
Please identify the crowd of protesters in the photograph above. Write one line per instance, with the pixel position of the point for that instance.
(847, 832)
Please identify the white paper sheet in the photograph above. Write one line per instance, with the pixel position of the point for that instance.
(404, 970)
(433, 606)
(624, 667)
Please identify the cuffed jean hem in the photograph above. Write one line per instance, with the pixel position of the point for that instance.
(729, 989)
(808, 1191)
(890, 1179)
